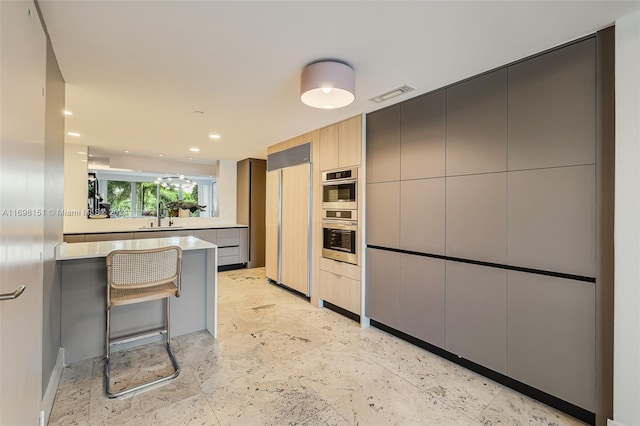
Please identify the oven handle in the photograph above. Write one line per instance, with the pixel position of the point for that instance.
(338, 182)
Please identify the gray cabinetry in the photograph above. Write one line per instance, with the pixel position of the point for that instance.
(148, 234)
(251, 193)
(422, 142)
(422, 298)
(552, 108)
(422, 215)
(209, 235)
(476, 314)
(551, 336)
(383, 145)
(552, 219)
(383, 277)
(108, 237)
(383, 214)
(477, 125)
(477, 217)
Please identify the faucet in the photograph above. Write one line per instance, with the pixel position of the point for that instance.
(160, 207)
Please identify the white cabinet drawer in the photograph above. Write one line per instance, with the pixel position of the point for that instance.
(228, 237)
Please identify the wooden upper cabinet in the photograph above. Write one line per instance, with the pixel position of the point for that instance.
(329, 148)
(341, 144)
(350, 147)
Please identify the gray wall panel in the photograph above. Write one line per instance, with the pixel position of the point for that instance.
(552, 219)
(477, 125)
(552, 108)
(383, 145)
(551, 336)
(477, 217)
(476, 317)
(383, 214)
(422, 140)
(383, 281)
(422, 215)
(422, 299)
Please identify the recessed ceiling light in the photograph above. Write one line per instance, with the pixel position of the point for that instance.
(194, 149)
(81, 152)
(74, 134)
(127, 151)
(189, 158)
(214, 136)
(160, 155)
(67, 112)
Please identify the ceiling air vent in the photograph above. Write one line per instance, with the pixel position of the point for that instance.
(393, 93)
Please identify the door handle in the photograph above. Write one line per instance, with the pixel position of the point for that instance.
(10, 296)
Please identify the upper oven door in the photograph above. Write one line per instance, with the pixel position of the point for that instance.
(340, 195)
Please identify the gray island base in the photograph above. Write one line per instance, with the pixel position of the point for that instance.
(84, 286)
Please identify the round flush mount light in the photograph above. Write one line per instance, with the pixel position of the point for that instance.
(327, 85)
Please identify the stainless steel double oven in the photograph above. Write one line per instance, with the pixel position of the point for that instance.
(340, 215)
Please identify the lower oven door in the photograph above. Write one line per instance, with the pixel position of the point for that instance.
(339, 241)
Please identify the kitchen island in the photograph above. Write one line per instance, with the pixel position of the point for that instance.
(83, 285)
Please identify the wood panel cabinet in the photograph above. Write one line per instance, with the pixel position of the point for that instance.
(272, 225)
(341, 144)
(340, 291)
(340, 284)
(294, 227)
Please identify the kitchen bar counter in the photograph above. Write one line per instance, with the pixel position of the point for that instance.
(68, 251)
(84, 285)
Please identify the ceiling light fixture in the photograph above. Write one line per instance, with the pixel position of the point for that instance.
(214, 136)
(67, 112)
(194, 149)
(74, 134)
(327, 85)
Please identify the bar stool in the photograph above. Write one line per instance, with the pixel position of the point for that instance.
(136, 276)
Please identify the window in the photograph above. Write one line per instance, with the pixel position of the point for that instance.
(137, 195)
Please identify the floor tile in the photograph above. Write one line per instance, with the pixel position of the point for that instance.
(278, 360)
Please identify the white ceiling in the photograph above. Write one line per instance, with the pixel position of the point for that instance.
(137, 70)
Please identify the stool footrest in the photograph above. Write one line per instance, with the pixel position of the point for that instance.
(139, 336)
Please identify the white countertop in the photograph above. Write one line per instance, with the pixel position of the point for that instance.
(68, 251)
(145, 226)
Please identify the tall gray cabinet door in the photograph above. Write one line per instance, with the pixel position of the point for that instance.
(476, 314)
(552, 106)
(477, 125)
(383, 145)
(423, 136)
(422, 298)
(383, 214)
(422, 215)
(552, 219)
(383, 281)
(477, 217)
(551, 336)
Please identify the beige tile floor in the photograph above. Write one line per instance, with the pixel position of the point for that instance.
(280, 361)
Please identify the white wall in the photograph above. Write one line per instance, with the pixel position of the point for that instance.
(227, 188)
(626, 377)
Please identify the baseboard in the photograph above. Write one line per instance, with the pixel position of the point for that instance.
(52, 387)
